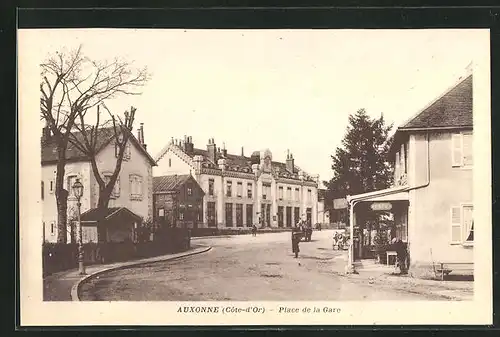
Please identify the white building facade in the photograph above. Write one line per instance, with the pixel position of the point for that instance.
(241, 191)
(133, 188)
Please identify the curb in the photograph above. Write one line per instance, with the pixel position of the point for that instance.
(76, 287)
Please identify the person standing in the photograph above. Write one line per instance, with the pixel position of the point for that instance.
(400, 248)
(295, 244)
(254, 230)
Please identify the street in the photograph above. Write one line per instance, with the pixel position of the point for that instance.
(242, 268)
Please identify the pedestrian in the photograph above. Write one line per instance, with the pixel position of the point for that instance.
(401, 254)
(295, 244)
(254, 230)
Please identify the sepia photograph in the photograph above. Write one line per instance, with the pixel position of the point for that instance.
(183, 168)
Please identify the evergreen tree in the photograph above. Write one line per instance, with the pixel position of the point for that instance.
(361, 164)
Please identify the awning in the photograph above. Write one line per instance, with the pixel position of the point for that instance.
(91, 216)
(399, 193)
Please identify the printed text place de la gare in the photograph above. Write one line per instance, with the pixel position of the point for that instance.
(255, 310)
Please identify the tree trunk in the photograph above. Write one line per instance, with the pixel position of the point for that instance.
(61, 197)
(102, 206)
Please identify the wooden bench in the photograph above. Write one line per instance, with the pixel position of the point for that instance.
(447, 267)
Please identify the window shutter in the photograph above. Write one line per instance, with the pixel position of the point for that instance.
(467, 149)
(456, 150)
(456, 221)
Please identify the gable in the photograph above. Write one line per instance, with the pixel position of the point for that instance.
(171, 163)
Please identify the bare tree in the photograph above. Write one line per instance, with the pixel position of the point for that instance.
(88, 140)
(71, 84)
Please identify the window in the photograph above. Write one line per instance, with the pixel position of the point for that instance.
(211, 213)
(289, 216)
(239, 215)
(462, 224)
(249, 215)
(42, 189)
(280, 216)
(229, 186)
(52, 225)
(309, 195)
(169, 162)
(126, 153)
(249, 191)
(296, 215)
(461, 155)
(297, 194)
(239, 189)
(289, 193)
(135, 187)
(51, 188)
(189, 190)
(266, 189)
(210, 187)
(161, 212)
(229, 215)
(280, 193)
(181, 215)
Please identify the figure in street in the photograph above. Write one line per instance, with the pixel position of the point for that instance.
(254, 230)
(295, 244)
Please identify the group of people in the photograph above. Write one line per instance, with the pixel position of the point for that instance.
(339, 240)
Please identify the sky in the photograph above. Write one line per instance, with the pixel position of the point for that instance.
(277, 89)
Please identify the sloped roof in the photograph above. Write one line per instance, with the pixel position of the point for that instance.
(92, 214)
(104, 137)
(169, 183)
(239, 163)
(453, 109)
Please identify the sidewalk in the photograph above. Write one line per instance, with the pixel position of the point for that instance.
(382, 275)
(63, 286)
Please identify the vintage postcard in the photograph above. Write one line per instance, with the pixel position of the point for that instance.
(254, 177)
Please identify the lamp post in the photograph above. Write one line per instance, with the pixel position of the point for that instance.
(78, 192)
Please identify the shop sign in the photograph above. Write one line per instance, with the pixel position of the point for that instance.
(340, 203)
(381, 206)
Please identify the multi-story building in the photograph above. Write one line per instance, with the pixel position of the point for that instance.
(132, 197)
(431, 199)
(241, 191)
(177, 201)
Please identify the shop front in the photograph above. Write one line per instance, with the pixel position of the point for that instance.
(375, 218)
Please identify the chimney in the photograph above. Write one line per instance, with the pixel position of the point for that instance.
(290, 166)
(224, 151)
(189, 147)
(142, 137)
(242, 153)
(211, 149)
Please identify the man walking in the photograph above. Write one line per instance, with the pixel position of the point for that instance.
(295, 243)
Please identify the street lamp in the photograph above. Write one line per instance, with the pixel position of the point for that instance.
(78, 192)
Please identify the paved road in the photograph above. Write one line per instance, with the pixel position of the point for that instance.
(243, 268)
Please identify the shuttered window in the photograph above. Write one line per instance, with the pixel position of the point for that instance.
(462, 224)
(461, 149)
(456, 148)
(467, 149)
(456, 225)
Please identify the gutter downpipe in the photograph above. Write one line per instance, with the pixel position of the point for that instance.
(352, 202)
